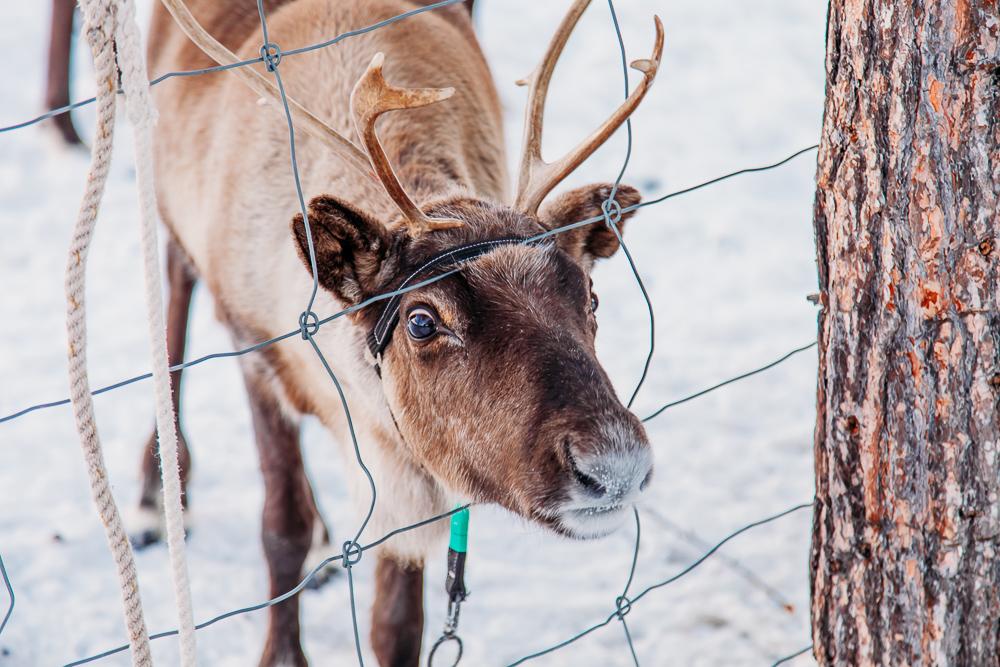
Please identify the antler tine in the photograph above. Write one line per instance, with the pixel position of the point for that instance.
(372, 96)
(536, 177)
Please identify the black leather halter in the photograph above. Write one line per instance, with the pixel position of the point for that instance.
(380, 336)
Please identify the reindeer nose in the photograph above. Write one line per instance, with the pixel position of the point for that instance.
(611, 477)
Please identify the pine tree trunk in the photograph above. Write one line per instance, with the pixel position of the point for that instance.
(905, 559)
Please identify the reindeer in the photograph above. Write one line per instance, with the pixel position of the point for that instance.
(57, 78)
(481, 387)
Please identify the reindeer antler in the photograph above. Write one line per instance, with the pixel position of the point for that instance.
(265, 88)
(372, 96)
(536, 176)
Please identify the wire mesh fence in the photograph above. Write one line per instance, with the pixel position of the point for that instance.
(271, 56)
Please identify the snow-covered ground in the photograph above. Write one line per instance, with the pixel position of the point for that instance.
(728, 269)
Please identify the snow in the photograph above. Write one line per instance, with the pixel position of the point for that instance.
(728, 269)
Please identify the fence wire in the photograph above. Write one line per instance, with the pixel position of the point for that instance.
(388, 295)
(623, 605)
(10, 594)
(792, 656)
(242, 63)
(309, 324)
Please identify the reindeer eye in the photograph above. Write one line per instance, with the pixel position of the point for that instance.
(420, 324)
(594, 302)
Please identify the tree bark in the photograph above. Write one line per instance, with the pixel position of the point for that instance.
(906, 532)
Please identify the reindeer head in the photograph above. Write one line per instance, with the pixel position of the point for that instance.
(490, 373)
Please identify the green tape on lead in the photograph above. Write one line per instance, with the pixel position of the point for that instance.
(459, 531)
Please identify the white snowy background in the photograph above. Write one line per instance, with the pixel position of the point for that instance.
(728, 269)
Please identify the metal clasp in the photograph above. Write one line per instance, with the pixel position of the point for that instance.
(448, 634)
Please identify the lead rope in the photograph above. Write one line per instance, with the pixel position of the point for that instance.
(99, 27)
(454, 584)
(112, 27)
(142, 115)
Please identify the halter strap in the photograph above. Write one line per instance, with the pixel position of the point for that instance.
(380, 336)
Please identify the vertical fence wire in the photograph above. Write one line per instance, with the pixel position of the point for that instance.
(10, 594)
(613, 211)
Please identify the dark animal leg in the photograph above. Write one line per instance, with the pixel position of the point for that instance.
(182, 280)
(57, 83)
(287, 527)
(321, 546)
(398, 613)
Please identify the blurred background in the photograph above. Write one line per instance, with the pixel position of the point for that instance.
(728, 269)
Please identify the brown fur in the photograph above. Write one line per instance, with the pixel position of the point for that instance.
(350, 247)
(287, 525)
(505, 405)
(398, 619)
(57, 80)
(594, 241)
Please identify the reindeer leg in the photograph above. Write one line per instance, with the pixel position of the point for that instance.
(149, 524)
(321, 549)
(287, 528)
(398, 612)
(57, 83)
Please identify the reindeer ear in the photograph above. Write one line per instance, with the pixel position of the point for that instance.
(597, 240)
(350, 247)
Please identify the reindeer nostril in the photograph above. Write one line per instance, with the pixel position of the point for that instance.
(588, 482)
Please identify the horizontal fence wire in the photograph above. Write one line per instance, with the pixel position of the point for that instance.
(742, 376)
(302, 585)
(281, 598)
(666, 582)
(388, 295)
(242, 63)
(789, 658)
(352, 550)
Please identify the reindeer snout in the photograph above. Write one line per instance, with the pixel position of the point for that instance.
(606, 478)
(615, 476)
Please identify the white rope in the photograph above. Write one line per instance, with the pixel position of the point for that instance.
(99, 17)
(142, 115)
(111, 25)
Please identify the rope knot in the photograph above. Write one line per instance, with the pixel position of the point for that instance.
(612, 211)
(351, 553)
(622, 607)
(308, 324)
(270, 54)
